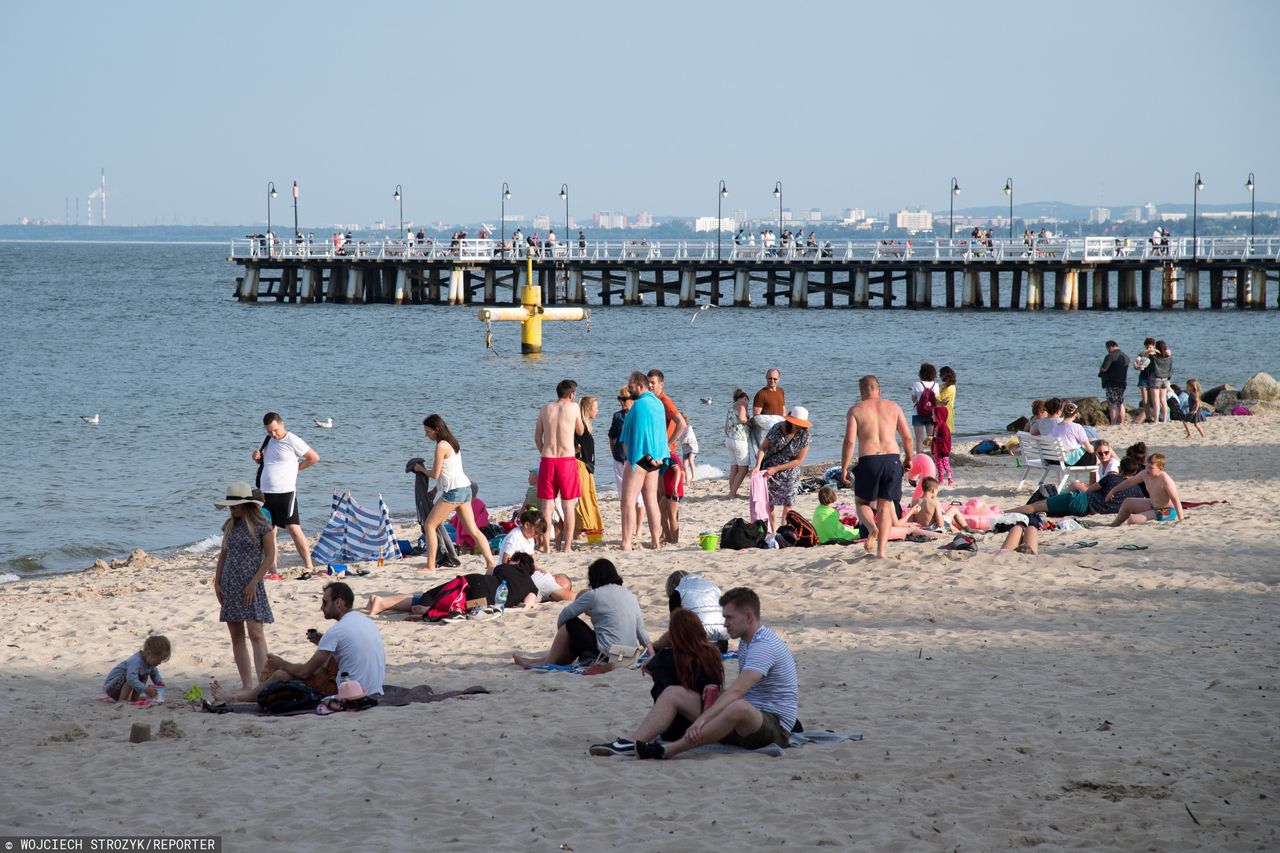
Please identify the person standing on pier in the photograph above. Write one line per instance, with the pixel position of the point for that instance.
(558, 423)
(281, 456)
(768, 407)
(877, 479)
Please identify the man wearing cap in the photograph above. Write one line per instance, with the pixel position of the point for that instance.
(877, 480)
(281, 456)
(779, 459)
(355, 643)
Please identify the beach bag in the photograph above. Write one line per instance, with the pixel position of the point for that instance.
(450, 600)
(740, 534)
(806, 535)
(986, 447)
(286, 697)
(925, 405)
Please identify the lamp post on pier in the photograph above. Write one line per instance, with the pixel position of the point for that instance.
(1195, 209)
(296, 233)
(777, 193)
(1250, 187)
(564, 196)
(1008, 190)
(720, 216)
(271, 193)
(502, 220)
(951, 216)
(400, 198)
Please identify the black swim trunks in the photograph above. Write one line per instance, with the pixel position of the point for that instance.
(878, 478)
(283, 507)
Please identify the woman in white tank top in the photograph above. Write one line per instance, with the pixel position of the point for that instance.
(453, 491)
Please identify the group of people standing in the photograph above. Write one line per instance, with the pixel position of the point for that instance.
(1162, 401)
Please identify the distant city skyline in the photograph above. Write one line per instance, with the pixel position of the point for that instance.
(192, 110)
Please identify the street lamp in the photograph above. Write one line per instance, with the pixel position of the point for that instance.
(951, 217)
(271, 193)
(502, 218)
(564, 196)
(777, 193)
(296, 233)
(1008, 190)
(720, 216)
(1249, 186)
(398, 197)
(1195, 201)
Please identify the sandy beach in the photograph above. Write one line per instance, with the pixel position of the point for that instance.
(1083, 699)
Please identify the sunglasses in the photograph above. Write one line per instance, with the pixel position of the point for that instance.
(623, 399)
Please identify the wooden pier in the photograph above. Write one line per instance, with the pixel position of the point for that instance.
(1091, 273)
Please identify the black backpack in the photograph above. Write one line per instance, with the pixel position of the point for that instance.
(285, 697)
(739, 534)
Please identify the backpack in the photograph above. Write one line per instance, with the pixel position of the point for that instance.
(806, 536)
(786, 537)
(740, 533)
(285, 697)
(451, 599)
(925, 404)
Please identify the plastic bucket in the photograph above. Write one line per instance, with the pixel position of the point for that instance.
(709, 541)
(595, 538)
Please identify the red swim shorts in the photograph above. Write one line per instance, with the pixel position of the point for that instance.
(558, 478)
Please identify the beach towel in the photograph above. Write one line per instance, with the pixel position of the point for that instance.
(588, 510)
(759, 503)
(797, 739)
(355, 534)
(392, 697)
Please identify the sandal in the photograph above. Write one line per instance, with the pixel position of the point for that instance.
(1083, 544)
(1129, 546)
(220, 708)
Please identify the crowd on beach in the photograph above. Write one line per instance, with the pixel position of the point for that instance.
(652, 450)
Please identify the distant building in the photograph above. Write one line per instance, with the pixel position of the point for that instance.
(644, 219)
(1099, 215)
(607, 219)
(1148, 212)
(1132, 214)
(814, 215)
(853, 215)
(913, 220)
(513, 217)
(1171, 217)
(708, 223)
(541, 222)
(786, 214)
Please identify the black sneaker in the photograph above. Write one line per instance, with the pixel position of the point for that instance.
(650, 749)
(621, 746)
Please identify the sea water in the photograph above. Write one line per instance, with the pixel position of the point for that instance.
(149, 337)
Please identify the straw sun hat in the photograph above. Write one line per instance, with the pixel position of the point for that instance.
(238, 493)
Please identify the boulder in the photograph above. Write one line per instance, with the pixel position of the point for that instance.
(1020, 425)
(1225, 401)
(1093, 412)
(1261, 386)
(1210, 397)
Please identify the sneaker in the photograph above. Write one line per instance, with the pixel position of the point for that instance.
(650, 749)
(621, 746)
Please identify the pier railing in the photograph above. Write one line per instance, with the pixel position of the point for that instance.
(1037, 250)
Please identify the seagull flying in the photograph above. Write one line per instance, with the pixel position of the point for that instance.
(95, 420)
(706, 400)
(699, 310)
(325, 424)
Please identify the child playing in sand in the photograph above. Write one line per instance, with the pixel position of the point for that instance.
(1193, 411)
(127, 680)
(826, 520)
(688, 448)
(926, 513)
(1163, 503)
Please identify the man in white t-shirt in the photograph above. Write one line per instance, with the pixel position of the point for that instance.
(280, 458)
(553, 587)
(355, 643)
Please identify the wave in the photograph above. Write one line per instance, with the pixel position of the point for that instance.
(708, 472)
(204, 546)
(7, 578)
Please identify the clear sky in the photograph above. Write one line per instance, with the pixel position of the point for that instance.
(193, 107)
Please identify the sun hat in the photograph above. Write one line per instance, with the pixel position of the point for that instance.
(799, 416)
(238, 493)
(350, 689)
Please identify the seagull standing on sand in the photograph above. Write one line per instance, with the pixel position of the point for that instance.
(699, 310)
(325, 424)
(95, 420)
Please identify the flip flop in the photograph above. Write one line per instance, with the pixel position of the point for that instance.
(1129, 546)
(220, 708)
(274, 576)
(304, 576)
(1083, 544)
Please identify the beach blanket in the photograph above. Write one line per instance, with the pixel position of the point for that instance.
(798, 739)
(392, 697)
(355, 534)
(590, 668)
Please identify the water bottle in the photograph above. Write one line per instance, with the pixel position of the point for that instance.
(501, 597)
(343, 678)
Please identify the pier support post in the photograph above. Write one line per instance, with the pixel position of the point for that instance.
(771, 287)
(1244, 294)
(577, 290)
(742, 288)
(971, 296)
(951, 288)
(355, 285)
(1124, 298)
(457, 285)
(920, 288)
(1015, 291)
(1191, 288)
(828, 289)
(1067, 279)
(311, 280)
(688, 287)
(490, 285)
(1101, 289)
(994, 288)
(606, 286)
(631, 295)
(402, 285)
(862, 288)
(1144, 287)
(249, 284)
(799, 289)
(1035, 289)
(1258, 288)
(1215, 288)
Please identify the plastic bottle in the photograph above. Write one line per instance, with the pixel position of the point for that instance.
(343, 678)
(501, 597)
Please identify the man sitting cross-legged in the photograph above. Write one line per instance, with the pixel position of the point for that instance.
(758, 709)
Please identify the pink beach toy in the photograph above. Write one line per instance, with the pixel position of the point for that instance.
(922, 465)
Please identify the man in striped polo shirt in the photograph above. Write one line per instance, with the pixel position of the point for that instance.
(758, 709)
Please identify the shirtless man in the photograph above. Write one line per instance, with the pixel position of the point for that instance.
(671, 489)
(878, 478)
(1164, 503)
(558, 423)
